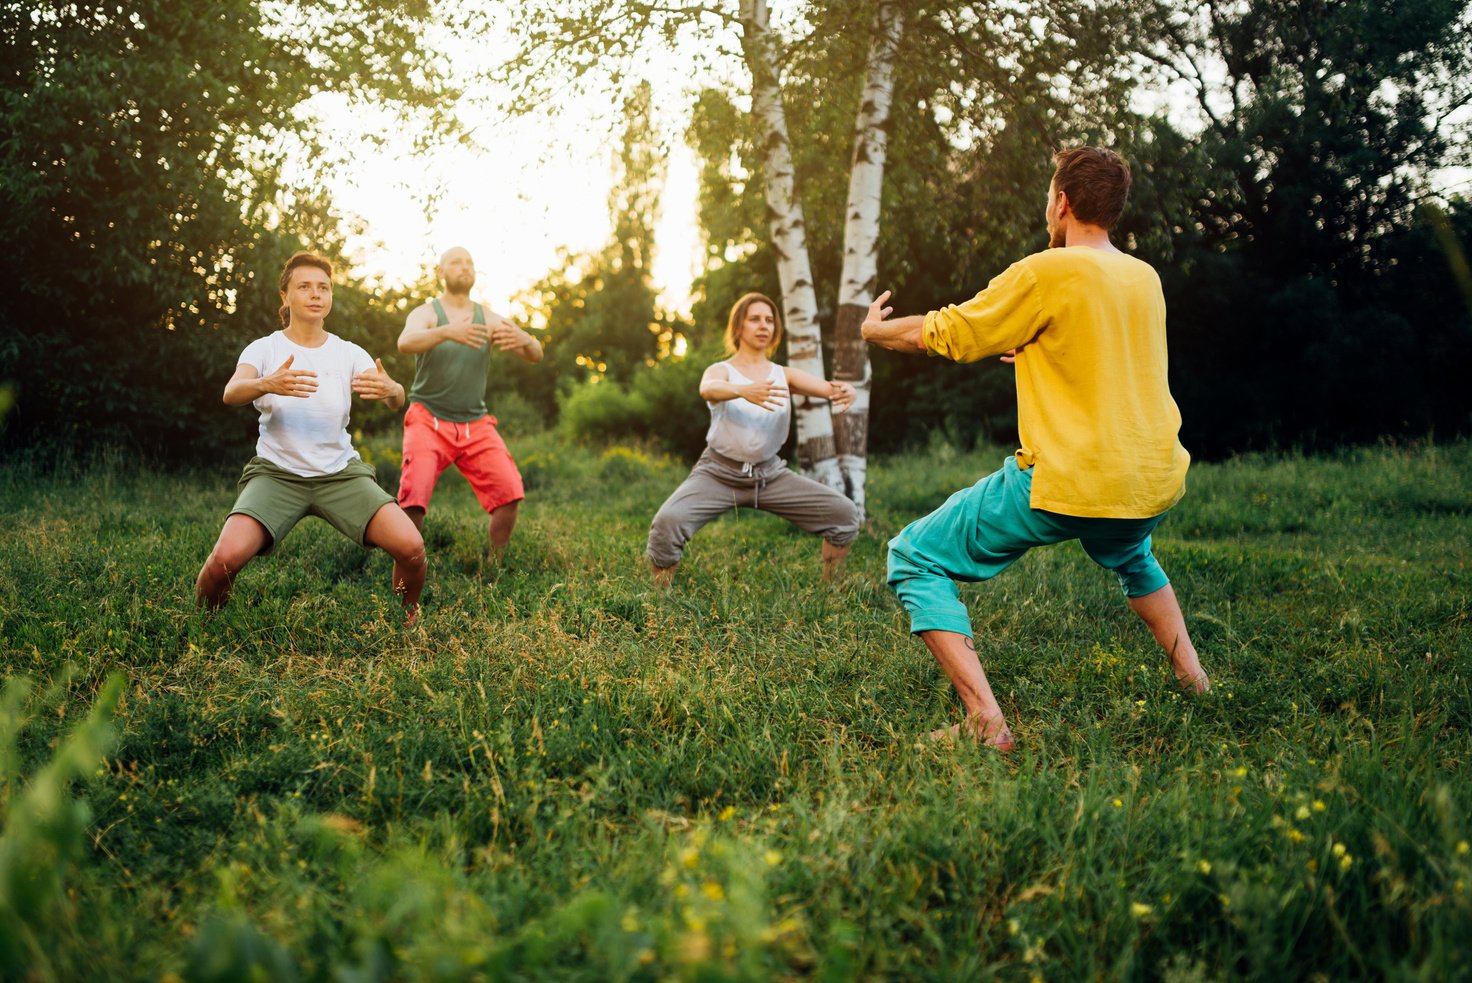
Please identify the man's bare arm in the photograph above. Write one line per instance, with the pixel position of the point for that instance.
(903, 334)
(507, 337)
(420, 333)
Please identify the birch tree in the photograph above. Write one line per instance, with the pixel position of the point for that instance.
(860, 276)
(581, 36)
(815, 444)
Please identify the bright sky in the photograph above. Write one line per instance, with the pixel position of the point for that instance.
(534, 189)
(537, 183)
(532, 185)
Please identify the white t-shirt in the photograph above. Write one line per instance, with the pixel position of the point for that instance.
(744, 431)
(307, 435)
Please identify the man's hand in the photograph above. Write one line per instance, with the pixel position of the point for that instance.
(877, 311)
(507, 337)
(376, 384)
(841, 395)
(906, 334)
(469, 334)
(764, 393)
(287, 381)
(1009, 356)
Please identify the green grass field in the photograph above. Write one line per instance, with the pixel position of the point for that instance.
(562, 773)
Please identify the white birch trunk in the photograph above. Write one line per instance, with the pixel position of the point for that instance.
(815, 448)
(859, 278)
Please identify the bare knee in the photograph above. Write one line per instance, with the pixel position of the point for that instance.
(224, 563)
(409, 554)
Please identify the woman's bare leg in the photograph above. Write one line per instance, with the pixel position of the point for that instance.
(394, 532)
(241, 540)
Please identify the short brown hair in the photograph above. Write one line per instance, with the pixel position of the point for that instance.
(738, 314)
(299, 258)
(1097, 182)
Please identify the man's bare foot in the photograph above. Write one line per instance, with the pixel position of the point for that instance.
(1195, 685)
(994, 734)
(411, 616)
(1190, 676)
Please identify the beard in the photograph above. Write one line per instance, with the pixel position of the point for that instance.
(1056, 238)
(459, 284)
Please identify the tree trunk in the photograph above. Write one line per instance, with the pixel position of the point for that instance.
(859, 278)
(815, 448)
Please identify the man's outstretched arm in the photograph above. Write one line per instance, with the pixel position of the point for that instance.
(903, 334)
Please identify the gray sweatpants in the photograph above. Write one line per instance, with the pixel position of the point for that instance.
(717, 484)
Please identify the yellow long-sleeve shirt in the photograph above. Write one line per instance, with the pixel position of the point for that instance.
(1095, 416)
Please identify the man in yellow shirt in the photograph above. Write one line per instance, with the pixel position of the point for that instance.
(1100, 461)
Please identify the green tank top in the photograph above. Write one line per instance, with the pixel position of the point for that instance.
(450, 379)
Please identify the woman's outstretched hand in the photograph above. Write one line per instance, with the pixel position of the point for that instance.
(765, 393)
(841, 395)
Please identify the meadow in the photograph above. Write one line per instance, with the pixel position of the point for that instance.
(562, 773)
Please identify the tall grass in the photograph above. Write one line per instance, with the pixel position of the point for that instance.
(562, 773)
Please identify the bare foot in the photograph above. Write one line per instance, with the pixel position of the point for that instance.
(411, 616)
(1190, 676)
(995, 734)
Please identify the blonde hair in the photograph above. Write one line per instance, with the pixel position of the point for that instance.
(738, 315)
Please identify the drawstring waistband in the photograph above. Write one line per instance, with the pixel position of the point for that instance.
(457, 432)
(756, 472)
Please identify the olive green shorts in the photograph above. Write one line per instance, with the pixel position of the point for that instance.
(278, 499)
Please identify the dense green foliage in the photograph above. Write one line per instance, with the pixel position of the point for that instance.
(159, 162)
(1301, 272)
(597, 313)
(1310, 303)
(146, 212)
(565, 774)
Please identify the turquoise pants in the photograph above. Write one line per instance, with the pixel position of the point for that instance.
(982, 530)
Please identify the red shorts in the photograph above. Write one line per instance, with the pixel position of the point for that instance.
(432, 444)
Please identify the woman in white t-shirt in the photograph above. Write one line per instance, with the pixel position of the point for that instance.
(749, 418)
(302, 380)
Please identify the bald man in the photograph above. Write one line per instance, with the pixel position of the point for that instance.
(451, 339)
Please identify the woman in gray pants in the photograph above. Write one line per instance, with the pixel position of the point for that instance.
(749, 417)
